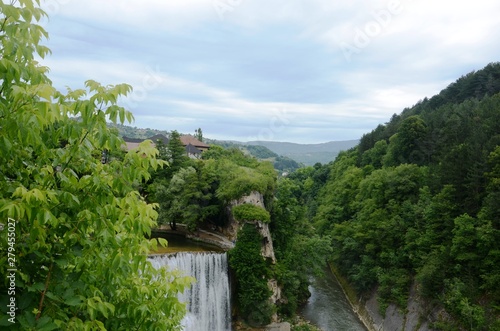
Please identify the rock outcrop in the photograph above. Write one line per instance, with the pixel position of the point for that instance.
(415, 317)
(412, 319)
(267, 249)
(233, 226)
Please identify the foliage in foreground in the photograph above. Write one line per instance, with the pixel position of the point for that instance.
(79, 250)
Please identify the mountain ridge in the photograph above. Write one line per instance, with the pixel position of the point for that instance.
(307, 154)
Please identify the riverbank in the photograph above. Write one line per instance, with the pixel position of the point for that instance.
(328, 306)
(351, 296)
(415, 316)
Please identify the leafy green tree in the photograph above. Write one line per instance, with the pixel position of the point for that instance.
(189, 197)
(80, 226)
(248, 213)
(237, 181)
(409, 144)
(491, 207)
(215, 152)
(198, 134)
(375, 155)
(176, 154)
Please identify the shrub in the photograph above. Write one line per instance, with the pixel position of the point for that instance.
(249, 212)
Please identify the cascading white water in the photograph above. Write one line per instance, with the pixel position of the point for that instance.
(208, 300)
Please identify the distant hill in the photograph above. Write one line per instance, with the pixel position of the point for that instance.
(307, 154)
(135, 132)
(282, 163)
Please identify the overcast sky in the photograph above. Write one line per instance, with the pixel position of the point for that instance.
(299, 71)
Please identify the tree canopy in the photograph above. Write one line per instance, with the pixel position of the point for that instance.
(80, 253)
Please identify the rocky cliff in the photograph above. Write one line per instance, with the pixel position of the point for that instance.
(413, 318)
(417, 316)
(267, 250)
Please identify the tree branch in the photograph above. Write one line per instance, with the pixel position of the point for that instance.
(40, 306)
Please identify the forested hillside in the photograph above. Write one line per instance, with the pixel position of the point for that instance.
(418, 200)
(135, 132)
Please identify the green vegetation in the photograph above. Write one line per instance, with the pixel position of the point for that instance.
(252, 272)
(262, 153)
(135, 132)
(197, 192)
(300, 252)
(248, 212)
(417, 200)
(80, 250)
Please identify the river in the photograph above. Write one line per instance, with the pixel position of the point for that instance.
(328, 307)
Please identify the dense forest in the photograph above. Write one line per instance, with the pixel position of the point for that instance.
(418, 201)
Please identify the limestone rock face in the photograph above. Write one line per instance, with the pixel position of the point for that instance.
(254, 198)
(231, 230)
(267, 249)
(395, 319)
(273, 285)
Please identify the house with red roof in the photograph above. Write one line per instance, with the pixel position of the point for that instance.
(194, 147)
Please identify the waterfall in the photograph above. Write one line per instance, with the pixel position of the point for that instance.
(208, 300)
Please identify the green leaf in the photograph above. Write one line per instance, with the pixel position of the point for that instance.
(45, 323)
(163, 242)
(45, 91)
(74, 301)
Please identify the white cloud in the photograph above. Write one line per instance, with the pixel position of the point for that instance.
(276, 67)
(144, 14)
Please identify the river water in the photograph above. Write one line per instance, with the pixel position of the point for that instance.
(328, 307)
